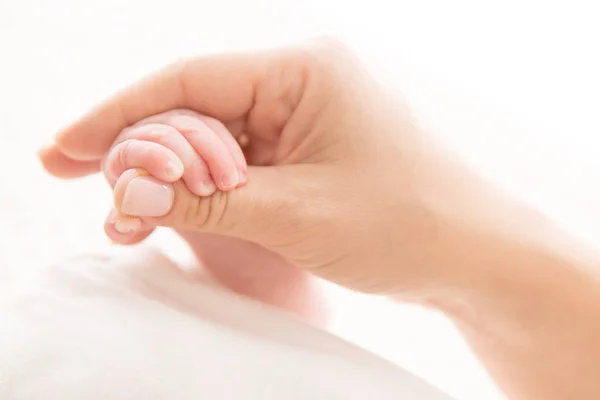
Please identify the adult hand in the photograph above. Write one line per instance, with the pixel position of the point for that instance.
(342, 183)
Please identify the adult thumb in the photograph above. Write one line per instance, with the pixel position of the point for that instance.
(257, 211)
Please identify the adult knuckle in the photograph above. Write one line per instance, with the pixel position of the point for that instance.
(218, 205)
(206, 213)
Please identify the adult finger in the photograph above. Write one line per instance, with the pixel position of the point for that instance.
(221, 86)
(246, 212)
(61, 166)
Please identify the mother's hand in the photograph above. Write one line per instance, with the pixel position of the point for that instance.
(341, 182)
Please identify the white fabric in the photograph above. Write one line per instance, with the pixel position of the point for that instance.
(135, 326)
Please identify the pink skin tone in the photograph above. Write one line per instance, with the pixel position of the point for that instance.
(185, 145)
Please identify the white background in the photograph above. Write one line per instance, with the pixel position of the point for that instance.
(512, 84)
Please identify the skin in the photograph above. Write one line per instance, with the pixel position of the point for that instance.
(200, 149)
(344, 184)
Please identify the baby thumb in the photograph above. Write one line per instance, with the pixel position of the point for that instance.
(250, 212)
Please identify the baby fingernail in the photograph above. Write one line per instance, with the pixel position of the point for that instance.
(128, 225)
(112, 217)
(174, 170)
(147, 197)
(243, 176)
(230, 179)
(206, 187)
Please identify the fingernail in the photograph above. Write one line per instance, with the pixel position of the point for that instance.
(230, 179)
(174, 170)
(206, 187)
(128, 225)
(243, 176)
(112, 217)
(147, 197)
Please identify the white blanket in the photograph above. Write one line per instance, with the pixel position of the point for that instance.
(135, 326)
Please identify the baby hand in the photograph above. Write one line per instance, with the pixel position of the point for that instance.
(206, 156)
(174, 145)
